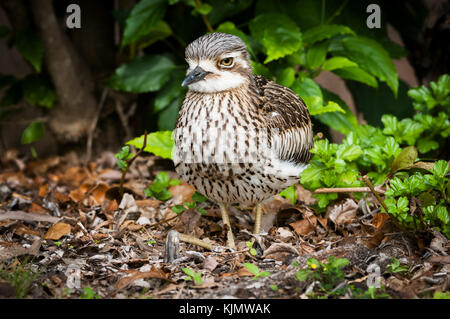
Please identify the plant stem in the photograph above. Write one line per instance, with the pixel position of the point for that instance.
(204, 18)
(346, 190)
(129, 162)
(372, 189)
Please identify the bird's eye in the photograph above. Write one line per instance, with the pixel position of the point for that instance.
(227, 62)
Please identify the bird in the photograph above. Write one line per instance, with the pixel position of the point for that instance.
(240, 138)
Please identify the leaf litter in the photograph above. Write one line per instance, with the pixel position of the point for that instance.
(68, 221)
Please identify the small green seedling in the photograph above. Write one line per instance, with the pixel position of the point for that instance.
(21, 277)
(159, 187)
(88, 293)
(197, 198)
(274, 287)
(123, 156)
(150, 242)
(58, 243)
(328, 274)
(441, 295)
(192, 275)
(252, 250)
(396, 267)
(255, 270)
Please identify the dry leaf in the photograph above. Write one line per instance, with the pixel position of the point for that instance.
(57, 231)
(135, 275)
(29, 217)
(244, 272)
(343, 213)
(305, 226)
(210, 263)
(182, 193)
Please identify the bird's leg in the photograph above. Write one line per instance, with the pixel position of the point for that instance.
(226, 221)
(258, 218)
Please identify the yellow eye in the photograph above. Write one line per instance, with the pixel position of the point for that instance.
(226, 62)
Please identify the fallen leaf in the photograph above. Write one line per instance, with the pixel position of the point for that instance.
(182, 193)
(57, 231)
(343, 213)
(379, 219)
(99, 192)
(76, 195)
(135, 275)
(38, 209)
(244, 272)
(11, 250)
(305, 226)
(143, 203)
(210, 263)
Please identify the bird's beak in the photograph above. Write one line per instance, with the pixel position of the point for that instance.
(195, 75)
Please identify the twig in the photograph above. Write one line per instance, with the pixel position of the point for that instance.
(372, 189)
(129, 162)
(347, 190)
(205, 19)
(123, 119)
(94, 122)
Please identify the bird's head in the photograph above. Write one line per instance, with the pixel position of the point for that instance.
(217, 62)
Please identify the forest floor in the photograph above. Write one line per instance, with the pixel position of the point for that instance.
(65, 233)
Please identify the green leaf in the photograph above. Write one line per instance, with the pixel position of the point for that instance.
(178, 209)
(290, 193)
(406, 157)
(37, 91)
(371, 57)
(30, 45)
(338, 62)
(286, 77)
(204, 8)
(279, 35)
(316, 54)
(302, 275)
(143, 74)
(159, 143)
(342, 122)
(188, 272)
(34, 132)
(170, 91)
(199, 198)
(355, 73)
(440, 169)
(325, 31)
(159, 32)
(252, 268)
(142, 19)
(124, 154)
(167, 118)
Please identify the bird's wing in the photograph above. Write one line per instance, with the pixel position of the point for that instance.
(286, 112)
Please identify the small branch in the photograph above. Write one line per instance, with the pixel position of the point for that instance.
(347, 190)
(372, 189)
(94, 122)
(129, 162)
(204, 18)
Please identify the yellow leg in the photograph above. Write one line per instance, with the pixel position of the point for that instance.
(258, 218)
(226, 221)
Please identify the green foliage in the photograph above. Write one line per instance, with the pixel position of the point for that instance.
(197, 198)
(252, 250)
(431, 189)
(159, 143)
(281, 45)
(192, 275)
(34, 132)
(88, 293)
(428, 128)
(143, 74)
(21, 277)
(30, 45)
(158, 189)
(328, 274)
(255, 270)
(396, 267)
(122, 157)
(290, 193)
(441, 295)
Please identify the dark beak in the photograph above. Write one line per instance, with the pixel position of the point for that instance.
(195, 75)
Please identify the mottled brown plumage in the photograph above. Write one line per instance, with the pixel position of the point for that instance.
(240, 138)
